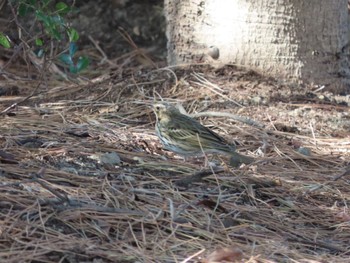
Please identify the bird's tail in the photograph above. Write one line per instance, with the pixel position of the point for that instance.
(237, 159)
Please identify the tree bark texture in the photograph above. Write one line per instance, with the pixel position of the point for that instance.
(294, 40)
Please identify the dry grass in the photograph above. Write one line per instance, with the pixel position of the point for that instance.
(61, 202)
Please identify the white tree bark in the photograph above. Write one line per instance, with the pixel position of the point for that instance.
(293, 40)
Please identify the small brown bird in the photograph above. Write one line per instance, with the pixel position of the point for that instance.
(185, 136)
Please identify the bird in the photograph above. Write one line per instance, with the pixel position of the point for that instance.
(185, 136)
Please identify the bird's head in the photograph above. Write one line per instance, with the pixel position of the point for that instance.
(161, 110)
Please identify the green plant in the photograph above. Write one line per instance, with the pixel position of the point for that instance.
(68, 58)
(51, 29)
(4, 40)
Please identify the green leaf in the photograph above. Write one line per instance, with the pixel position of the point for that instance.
(83, 63)
(72, 49)
(22, 9)
(45, 3)
(58, 20)
(73, 35)
(73, 69)
(53, 25)
(4, 41)
(62, 8)
(67, 59)
(44, 18)
(39, 42)
(55, 33)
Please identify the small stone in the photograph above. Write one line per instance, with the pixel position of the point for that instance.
(304, 151)
(111, 158)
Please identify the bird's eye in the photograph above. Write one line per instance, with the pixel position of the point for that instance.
(157, 108)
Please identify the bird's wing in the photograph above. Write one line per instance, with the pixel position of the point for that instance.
(179, 132)
(186, 128)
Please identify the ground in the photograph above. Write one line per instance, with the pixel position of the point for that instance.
(84, 178)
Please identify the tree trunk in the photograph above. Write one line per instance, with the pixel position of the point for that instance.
(293, 40)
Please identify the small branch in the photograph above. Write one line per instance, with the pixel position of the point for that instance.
(104, 56)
